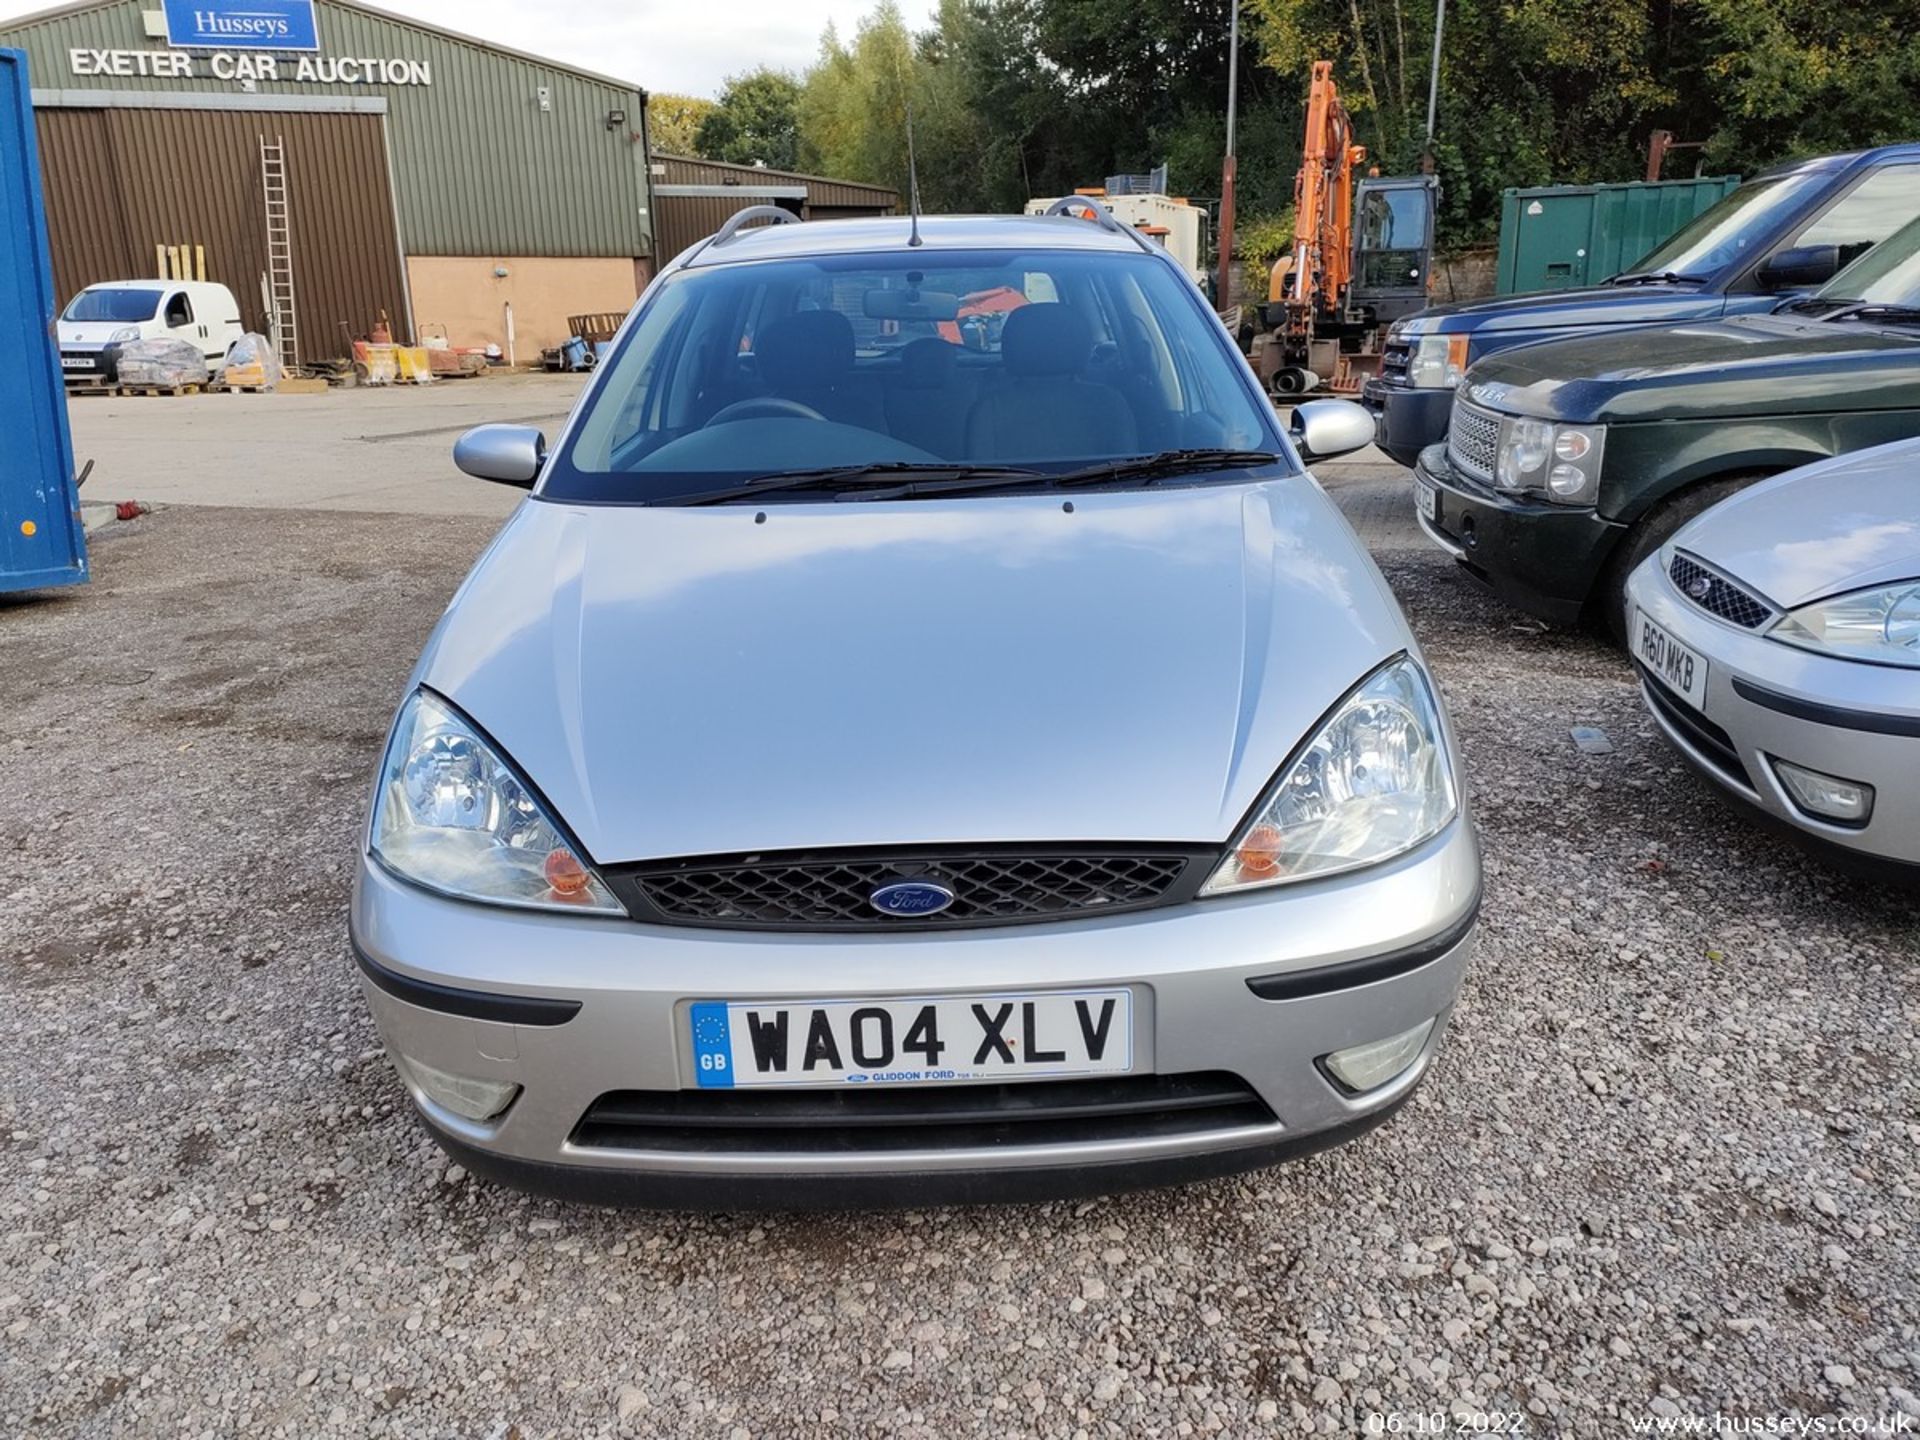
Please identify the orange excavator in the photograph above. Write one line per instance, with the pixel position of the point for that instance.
(1360, 259)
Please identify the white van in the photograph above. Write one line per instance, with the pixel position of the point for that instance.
(103, 317)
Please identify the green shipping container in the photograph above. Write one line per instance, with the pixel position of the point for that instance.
(1556, 237)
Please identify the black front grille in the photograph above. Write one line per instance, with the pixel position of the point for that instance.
(834, 891)
(1393, 364)
(1714, 745)
(920, 1117)
(1716, 594)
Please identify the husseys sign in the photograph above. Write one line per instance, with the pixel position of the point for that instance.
(246, 25)
(236, 32)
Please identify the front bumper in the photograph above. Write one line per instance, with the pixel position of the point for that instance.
(1766, 701)
(1405, 420)
(90, 365)
(1539, 557)
(1359, 957)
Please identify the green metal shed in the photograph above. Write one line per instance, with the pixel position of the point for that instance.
(1556, 237)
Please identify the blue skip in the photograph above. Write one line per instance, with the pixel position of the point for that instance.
(41, 539)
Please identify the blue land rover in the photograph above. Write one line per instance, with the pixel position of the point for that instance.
(1785, 231)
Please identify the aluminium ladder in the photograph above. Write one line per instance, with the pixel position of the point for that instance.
(280, 307)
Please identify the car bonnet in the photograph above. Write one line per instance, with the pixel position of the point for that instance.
(1824, 529)
(996, 669)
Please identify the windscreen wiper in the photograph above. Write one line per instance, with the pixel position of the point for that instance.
(1862, 310)
(1167, 462)
(1148, 467)
(1658, 277)
(852, 478)
(1807, 304)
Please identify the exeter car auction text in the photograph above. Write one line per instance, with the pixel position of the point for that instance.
(223, 65)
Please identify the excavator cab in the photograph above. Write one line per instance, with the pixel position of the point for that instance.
(1392, 245)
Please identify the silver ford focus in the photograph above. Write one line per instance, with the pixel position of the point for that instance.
(1778, 641)
(924, 738)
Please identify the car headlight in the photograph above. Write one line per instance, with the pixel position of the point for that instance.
(1372, 783)
(123, 334)
(1561, 462)
(1437, 362)
(1881, 625)
(453, 816)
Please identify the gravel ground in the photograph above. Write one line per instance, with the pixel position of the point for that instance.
(1665, 1166)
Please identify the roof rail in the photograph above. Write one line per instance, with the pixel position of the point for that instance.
(734, 224)
(753, 212)
(1106, 219)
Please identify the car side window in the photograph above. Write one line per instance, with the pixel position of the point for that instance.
(1866, 214)
(641, 377)
(179, 312)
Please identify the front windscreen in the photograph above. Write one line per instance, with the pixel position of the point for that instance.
(1888, 274)
(1727, 231)
(120, 306)
(1049, 359)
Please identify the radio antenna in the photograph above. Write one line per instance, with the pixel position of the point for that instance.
(913, 180)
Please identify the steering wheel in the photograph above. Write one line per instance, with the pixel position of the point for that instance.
(764, 407)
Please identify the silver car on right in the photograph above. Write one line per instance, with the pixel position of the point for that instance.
(1777, 638)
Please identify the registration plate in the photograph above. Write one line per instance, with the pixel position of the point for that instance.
(77, 362)
(1426, 499)
(916, 1040)
(1681, 670)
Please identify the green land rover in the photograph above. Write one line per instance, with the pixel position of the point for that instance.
(1567, 463)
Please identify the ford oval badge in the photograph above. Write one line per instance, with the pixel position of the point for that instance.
(911, 897)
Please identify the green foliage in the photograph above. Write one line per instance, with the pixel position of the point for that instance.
(673, 122)
(853, 102)
(1262, 239)
(756, 121)
(1793, 77)
(1020, 98)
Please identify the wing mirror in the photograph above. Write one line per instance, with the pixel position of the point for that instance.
(1800, 266)
(508, 454)
(1322, 429)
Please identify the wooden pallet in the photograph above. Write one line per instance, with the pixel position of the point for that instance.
(221, 386)
(93, 389)
(191, 389)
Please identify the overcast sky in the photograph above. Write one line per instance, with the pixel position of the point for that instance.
(687, 46)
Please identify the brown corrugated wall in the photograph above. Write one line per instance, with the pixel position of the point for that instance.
(854, 197)
(683, 220)
(119, 182)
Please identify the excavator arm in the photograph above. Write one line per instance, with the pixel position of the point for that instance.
(1315, 277)
(1359, 260)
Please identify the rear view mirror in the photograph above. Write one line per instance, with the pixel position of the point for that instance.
(1800, 266)
(508, 454)
(910, 305)
(1322, 429)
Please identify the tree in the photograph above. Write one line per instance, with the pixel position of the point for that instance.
(1792, 77)
(854, 101)
(1020, 98)
(755, 122)
(673, 122)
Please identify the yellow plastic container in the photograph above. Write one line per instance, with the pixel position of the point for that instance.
(414, 365)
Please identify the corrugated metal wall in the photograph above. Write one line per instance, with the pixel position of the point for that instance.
(479, 168)
(845, 196)
(683, 220)
(119, 182)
